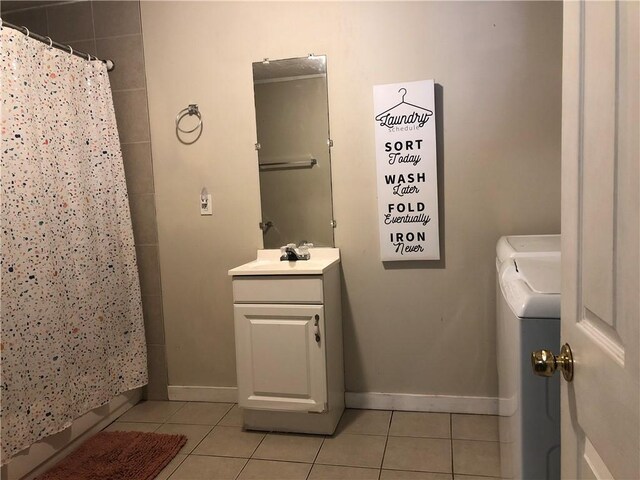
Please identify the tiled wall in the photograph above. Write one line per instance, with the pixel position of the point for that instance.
(111, 29)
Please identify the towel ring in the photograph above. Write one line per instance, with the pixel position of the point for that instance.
(192, 109)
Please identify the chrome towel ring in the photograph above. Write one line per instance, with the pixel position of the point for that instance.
(192, 109)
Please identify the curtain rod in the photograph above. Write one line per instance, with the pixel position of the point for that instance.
(60, 46)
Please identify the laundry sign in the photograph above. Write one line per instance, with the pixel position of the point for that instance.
(407, 171)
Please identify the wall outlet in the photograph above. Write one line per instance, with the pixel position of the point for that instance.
(205, 208)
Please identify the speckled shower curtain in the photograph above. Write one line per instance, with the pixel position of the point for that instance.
(72, 333)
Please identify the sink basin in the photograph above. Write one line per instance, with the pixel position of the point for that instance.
(269, 263)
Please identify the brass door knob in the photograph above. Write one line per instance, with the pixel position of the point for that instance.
(544, 363)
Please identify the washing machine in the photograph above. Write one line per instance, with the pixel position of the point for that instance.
(528, 318)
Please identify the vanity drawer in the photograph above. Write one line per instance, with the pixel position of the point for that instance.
(278, 289)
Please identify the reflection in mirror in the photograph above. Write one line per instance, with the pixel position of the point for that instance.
(292, 117)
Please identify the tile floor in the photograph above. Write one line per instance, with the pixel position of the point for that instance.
(368, 444)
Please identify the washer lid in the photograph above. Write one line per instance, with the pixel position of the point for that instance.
(531, 285)
(517, 245)
(542, 274)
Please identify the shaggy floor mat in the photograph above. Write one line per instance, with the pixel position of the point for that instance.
(118, 456)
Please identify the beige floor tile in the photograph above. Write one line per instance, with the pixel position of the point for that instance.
(196, 467)
(422, 454)
(475, 427)
(289, 447)
(476, 458)
(406, 475)
(332, 472)
(171, 467)
(194, 434)
(368, 422)
(472, 477)
(229, 442)
(132, 427)
(352, 450)
(233, 418)
(151, 411)
(270, 470)
(420, 424)
(201, 413)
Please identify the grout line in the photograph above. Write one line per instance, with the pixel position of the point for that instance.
(366, 434)
(386, 441)
(25, 9)
(258, 446)
(324, 437)
(394, 469)
(266, 460)
(174, 470)
(75, 40)
(248, 459)
(201, 440)
(222, 456)
(93, 28)
(123, 35)
(448, 437)
(173, 414)
(46, 18)
(242, 469)
(451, 440)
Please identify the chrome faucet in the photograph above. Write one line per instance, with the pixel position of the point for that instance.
(292, 253)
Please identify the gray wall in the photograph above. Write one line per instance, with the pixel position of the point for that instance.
(113, 30)
(410, 327)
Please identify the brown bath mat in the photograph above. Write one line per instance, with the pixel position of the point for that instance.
(118, 456)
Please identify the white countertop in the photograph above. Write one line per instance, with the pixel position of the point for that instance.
(268, 263)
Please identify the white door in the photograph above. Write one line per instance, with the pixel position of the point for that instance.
(280, 356)
(600, 250)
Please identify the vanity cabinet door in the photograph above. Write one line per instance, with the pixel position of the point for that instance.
(280, 355)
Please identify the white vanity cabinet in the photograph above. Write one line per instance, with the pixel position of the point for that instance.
(288, 333)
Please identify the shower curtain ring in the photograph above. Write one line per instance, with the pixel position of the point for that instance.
(28, 32)
(70, 49)
(50, 42)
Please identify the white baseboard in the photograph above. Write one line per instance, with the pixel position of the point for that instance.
(422, 403)
(203, 394)
(370, 400)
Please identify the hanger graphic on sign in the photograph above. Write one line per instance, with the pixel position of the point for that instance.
(421, 115)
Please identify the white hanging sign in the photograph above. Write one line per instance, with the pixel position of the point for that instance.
(407, 171)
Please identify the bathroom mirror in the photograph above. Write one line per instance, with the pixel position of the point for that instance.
(294, 161)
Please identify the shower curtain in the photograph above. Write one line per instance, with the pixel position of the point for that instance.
(72, 334)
